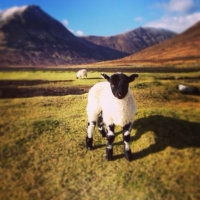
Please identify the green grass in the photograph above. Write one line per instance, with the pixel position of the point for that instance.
(43, 154)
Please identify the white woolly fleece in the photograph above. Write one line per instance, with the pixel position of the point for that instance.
(115, 111)
(81, 73)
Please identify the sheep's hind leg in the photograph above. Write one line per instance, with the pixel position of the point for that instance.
(101, 125)
(126, 136)
(110, 139)
(89, 137)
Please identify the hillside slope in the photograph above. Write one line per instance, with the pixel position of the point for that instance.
(181, 50)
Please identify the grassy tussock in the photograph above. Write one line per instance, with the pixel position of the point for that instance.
(43, 154)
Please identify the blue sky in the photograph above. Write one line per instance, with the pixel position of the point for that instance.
(112, 17)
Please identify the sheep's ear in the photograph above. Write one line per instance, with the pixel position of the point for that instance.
(105, 76)
(132, 77)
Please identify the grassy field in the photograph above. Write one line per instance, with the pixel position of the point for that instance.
(43, 153)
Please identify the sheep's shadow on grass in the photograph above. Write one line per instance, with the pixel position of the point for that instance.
(169, 132)
(92, 78)
(98, 146)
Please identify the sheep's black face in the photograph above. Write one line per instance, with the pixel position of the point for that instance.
(119, 83)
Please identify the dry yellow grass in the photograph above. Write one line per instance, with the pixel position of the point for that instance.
(43, 154)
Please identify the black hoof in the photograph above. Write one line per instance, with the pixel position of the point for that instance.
(128, 155)
(89, 143)
(109, 153)
(90, 148)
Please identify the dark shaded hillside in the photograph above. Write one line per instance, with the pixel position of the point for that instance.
(133, 41)
(31, 37)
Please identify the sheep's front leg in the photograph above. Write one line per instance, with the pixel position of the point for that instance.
(89, 138)
(126, 136)
(101, 125)
(110, 139)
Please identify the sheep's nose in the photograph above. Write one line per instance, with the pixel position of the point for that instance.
(119, 94)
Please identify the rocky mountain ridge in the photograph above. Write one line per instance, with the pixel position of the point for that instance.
(31, 37)
(133, 41)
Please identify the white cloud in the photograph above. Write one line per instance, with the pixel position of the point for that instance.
(176, 23)
(72, 31)
(177, 6)
(65, 22)
(178, 15)
(8, 12)
(138, 19)
(180, 6)
(79, 33)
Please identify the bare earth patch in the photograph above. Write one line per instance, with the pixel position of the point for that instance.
(22, 88)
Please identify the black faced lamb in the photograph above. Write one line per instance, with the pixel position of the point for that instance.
(111, 103)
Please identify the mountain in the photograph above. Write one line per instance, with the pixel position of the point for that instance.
(184, 47)
(133, 41)
(182, 50)
(30, 37)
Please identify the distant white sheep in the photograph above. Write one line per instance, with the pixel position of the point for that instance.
(111, 103)
(81, 73)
